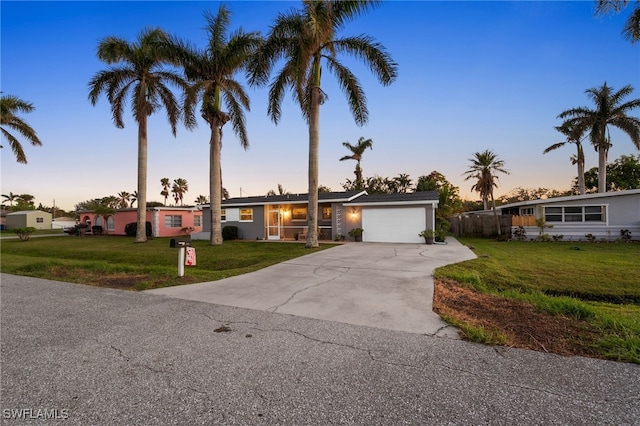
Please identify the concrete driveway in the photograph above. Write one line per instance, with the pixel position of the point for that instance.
(388, 286)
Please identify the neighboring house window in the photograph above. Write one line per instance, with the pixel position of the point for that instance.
(197, 220)
(326, 213)
(39, 220)
(575, 214)
(246, 215)
(173, 221)
(299, 213)
(223, 215)
(111, 223)
(526, 211)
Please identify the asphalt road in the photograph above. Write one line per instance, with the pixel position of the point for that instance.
(95, 356)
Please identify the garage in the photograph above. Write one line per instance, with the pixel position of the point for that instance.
(394, 224)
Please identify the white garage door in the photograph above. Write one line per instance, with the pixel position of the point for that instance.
(393, 225)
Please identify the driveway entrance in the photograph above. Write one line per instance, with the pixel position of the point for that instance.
(383, 285)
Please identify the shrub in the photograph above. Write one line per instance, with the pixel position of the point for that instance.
(520, 233)
(230, 232)
(24, 233)
(590, 237)
(625, 235)
(557, 237)
(96, 230)
(131, 229)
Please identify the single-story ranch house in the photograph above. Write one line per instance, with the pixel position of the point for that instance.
(165, 221)
(602, 215)
(383, 217)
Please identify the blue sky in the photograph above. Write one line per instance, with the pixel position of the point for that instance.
(472, 76)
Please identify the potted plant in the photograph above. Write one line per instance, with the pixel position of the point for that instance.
(356, 233)
(428, 235)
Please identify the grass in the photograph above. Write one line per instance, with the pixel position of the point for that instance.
(120, 262)
(597, 283)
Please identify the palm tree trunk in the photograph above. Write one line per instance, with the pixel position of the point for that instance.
(215, 185)
(495, 214)
(602, 169)
(141, 231)
(581, 184)
(314, 142)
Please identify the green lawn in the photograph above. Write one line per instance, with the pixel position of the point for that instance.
(120, 262)
(595, 282)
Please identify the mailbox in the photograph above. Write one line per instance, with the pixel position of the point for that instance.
(178, 242)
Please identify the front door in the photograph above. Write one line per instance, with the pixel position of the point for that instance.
(273, 223)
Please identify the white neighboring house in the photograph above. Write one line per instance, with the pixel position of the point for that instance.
(603, 215)
(62, 222)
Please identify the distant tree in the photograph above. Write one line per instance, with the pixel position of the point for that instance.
(10, 106)
(140, 69)
(573, 132)
(357, 151)
(133, 199)
(631, 30)
(609, 111)
(449, 201)
(403, 182)
(11, 197)
(202, 199)
(519, 194)
(179, 188)
(483, 168)
(622, 174)
(123, 199)
(281, 191)
(322, 188)
(166, 188)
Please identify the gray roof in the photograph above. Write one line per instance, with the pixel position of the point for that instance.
(571, 198)
(409, 197)
(292, 198)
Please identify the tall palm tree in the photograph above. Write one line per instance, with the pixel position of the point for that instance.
(573, 133)
(403, 182)
(202, 199)
(483, 168)
(631, 30)
(11, 197)
(356, 154)
(212, 71)
(306, 39)
(166, 187)
(139, 69)
(609, 111)
(9, 107)
(180, 187)
(123, 199)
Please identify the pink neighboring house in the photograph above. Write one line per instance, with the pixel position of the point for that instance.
(165, 221)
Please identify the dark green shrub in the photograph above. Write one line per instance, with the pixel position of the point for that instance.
(130, 229)
(230, 233)
(96, 230)
(24, 233)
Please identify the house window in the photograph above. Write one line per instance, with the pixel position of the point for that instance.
(299, 213)
(173, 221)
(575, 214)
(526, 211)
(326, 213)
(223, 215)
(111, 223)
(39, 220)
(197, 220)
(246, 215)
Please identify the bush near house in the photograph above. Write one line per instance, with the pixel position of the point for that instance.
(230, 233)
(24, 233)
(130, 229)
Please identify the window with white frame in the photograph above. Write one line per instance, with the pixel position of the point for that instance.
(223, 215)
(572, 214)
(173, 221)
(39, 220)
(197, 220)
(246, 215)
(526, 211)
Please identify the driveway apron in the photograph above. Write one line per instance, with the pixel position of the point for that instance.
(382, 285)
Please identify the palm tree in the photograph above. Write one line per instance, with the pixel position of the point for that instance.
(105, 211)
(11, 197)
(9, 107)
(140, 70)
(573, 132)
(166, 186)
(306, 39)
(631, 30)
(403, 182)
(212, 72)
(483, 168)
(133, 199)
(356, 154)
(202, 199)
(123, 199)
(609, 111)
(180, 187)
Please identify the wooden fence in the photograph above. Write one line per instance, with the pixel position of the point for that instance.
(480, 226)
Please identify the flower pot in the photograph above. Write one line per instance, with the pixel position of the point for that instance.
(428, 240)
